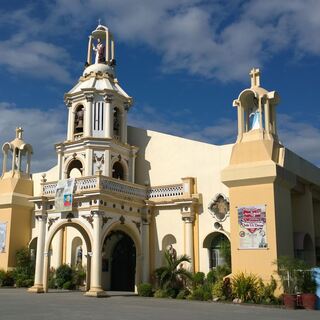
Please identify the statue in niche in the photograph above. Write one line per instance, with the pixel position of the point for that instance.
(172, 252)
(100, 51)
(79, 120)
(79, 256)
(254, 116)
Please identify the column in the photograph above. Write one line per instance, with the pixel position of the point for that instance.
(4, 163)
(28, 168)
(87, 116)
(260, 113)
(71, 116)
(124, 125)
(107, 163)
(95, 288)
(89, 55)
(59, 236)
(108, 121)
(145, 250)
(107, 46)
(188, 220)
(38, 278)
(267, 117)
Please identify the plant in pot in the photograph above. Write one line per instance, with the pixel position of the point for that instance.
(308, 288)
(286, 270)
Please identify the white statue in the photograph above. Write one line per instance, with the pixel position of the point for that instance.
(100, 51)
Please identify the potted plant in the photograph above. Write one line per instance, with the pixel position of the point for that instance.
(286, 269)
(308, 288)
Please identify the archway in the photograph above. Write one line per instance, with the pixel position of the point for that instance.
(88, 249)
(219, 249)
(75, 169)
(119, 261)
(118, 171)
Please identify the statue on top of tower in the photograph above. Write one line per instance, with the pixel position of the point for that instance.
(100, 50)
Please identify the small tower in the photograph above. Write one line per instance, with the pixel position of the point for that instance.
(259, 185)
(16, 187)
(97, 117)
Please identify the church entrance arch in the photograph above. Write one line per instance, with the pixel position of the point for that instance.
(119, 262)
(48, 251)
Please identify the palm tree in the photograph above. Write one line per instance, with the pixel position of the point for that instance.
(173, 275)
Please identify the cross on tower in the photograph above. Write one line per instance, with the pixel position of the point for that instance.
(255, 77)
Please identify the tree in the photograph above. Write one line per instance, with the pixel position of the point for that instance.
(173, 275)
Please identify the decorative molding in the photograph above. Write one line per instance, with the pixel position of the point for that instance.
(105, 220)
(219, 207)
(108, 98)
(51, 221)
(138, 225)
(89, 97)
(122, 219)
(70, 216)
(89, 218)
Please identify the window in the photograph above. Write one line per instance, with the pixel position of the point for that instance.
(118, 171)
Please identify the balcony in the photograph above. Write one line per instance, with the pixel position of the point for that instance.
(120, 187)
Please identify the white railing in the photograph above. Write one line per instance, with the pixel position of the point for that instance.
(174, 190)
(118, 186)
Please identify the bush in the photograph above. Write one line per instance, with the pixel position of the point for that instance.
(245, 287)
(265, 292)
(64, 274)
(69, 285)
(222, 289)
(162, 293)
(6, 278)
(52, 279)
(183, 294)
(198, 279)
(222, 271)
(145, 290)
(201, 293)
(24, 271)
(79, 276)
(211, 277)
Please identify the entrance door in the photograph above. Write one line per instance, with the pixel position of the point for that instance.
(123, 266)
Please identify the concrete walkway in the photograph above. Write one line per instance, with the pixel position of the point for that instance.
(17, 304)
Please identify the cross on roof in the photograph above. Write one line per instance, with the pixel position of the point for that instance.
(255, 77)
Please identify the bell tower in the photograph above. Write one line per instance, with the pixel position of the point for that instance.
(16, 186)
(97, 117)
(259, 184)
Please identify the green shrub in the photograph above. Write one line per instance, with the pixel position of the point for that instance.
(245, 287)
(6, 278)
(198, 279)
(69, 285)
(201, 293)
(183, 294)
(162, 293)
(265, 291)
(64, 274)
(211, 277)
(52, 279)
(222, 271)
(145, 290)
(79, 276)
(24, 271)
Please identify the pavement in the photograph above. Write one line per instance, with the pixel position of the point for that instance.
(59, 305)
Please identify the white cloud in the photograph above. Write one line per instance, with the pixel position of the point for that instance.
(42, 129)
(219, 39)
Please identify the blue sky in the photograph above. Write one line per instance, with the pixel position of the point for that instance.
(182, 61)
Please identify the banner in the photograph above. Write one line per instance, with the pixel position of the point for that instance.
(252, 227)
(64, 195)
(3, 235)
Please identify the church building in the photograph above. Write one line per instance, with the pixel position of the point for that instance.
(119, 196)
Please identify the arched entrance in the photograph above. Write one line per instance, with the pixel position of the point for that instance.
(119, 261)
(87, 248)
(219, 249)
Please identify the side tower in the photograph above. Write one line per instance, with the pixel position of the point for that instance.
(16, 187)
(97, 118)
(259, 185)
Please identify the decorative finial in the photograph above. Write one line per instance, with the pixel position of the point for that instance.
(99, 21)
(43, 180)
(19, 132)
(255, 77)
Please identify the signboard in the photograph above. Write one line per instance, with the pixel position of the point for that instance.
(3, 235)
(64, 195)
(252, 227)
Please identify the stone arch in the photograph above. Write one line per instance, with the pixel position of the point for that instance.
(74, 168)
(219, 249)
(130, 232)
(304, 247)
(87, 238)
(118, 161)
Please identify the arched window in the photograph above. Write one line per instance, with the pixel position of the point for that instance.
(74, 169)
(78, 119)
(118, 171)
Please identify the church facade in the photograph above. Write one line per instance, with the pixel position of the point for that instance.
(119, 196)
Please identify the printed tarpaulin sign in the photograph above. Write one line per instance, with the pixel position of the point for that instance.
(64, 195)
(3, 235)
(252, 227)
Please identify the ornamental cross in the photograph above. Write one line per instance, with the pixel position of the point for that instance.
(255, 77)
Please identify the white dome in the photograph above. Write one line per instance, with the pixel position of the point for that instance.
(99, 67)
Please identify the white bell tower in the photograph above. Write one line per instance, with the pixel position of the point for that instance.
(97, 117)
